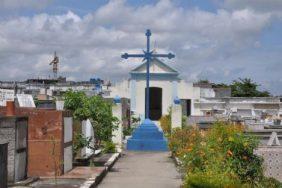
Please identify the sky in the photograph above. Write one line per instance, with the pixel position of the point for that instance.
(218, 40)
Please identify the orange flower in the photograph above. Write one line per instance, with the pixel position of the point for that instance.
(229, 153)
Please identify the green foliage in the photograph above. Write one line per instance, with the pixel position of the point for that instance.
(246, 88)
(220, 157)
(135, 120)
(211, 179)
(240, 88)
(102, 119)
(127, 131)
(109, 147)
(80, 141)
(203, 81)
(184, 121)
(77, 102)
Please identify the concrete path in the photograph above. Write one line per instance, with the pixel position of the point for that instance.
(143, 170)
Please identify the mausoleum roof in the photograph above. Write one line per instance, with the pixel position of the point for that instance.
(156, 67)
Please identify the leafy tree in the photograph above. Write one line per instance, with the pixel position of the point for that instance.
(203, 81)
(97, 110)
(246, 88)
(77, 102)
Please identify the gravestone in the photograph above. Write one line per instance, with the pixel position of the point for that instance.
(60, 105)
(3, 164)
(25, 100)
(273, 140)
(14, 130)
(117, 112)
(6, 95)
(176, 114)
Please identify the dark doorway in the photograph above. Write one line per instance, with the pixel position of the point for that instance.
(155, 103)
(188, 107)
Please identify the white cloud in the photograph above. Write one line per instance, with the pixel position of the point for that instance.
(260, 5)
(91, 45)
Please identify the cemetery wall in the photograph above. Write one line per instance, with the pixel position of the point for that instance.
(45, 135)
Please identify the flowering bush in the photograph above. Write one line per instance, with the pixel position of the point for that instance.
(221, 157)
(165, 123)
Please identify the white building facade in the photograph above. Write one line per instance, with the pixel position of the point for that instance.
(165, 86)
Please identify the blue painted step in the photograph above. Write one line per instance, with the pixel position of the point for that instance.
(147, 137)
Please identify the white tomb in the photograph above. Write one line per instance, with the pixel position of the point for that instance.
(117, 112)
(88, 132)
(25, 100)
(6, 95)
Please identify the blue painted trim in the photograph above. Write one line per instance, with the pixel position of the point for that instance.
(176, 100)
(117, 99)
(169, 77)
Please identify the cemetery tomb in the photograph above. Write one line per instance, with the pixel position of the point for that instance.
(49, 140)
(51, 130)
(14, 130)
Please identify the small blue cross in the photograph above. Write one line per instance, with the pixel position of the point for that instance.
(148, 55)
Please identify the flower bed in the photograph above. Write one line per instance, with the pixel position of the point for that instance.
(220, 157)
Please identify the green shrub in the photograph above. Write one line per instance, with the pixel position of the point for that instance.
(211, 179)
(109, 147)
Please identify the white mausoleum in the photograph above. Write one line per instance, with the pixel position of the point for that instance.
(165, 86)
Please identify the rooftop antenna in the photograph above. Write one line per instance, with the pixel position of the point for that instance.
(55, 63)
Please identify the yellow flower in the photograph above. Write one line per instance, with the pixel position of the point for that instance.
(230, 139)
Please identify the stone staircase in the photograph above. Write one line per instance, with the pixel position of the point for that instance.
(147, 137)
